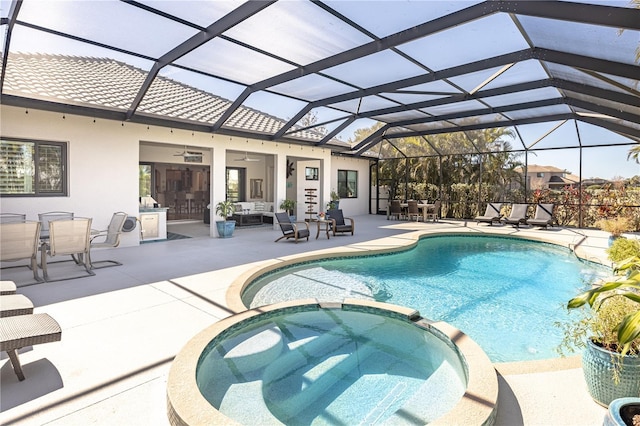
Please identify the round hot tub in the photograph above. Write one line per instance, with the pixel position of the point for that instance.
(333, 363)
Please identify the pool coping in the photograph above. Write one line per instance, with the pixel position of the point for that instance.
(187, 406)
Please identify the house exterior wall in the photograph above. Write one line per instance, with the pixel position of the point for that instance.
(103, 158)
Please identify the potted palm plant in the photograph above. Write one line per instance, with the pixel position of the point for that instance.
(225, 227)
(289, 206)
(335, 200)
(611, 359)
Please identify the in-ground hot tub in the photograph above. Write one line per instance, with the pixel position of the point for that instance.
(355, 362)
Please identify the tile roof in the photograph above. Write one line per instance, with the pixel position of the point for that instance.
(109, 84)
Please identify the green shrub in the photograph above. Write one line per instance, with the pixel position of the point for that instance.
(623, 248)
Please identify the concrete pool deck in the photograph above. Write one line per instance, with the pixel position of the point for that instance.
(122, 327)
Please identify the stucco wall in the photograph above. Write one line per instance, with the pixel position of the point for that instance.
(104, 157)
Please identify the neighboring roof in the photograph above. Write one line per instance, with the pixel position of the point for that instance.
(416, 68)
(534, 168)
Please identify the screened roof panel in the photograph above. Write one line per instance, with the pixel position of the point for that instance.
(273, 29)
(533, 133)
(384, 18)
(365, 104)
(591, 135)
(137, 31)
(222, 88)
(570, 37)
(522, 97)
(490, 36)
(519, 72)
(538, 112)
(201, 13)
(240, 63)
(453, 107)
(370, 71)
(567, 73)
(420, 67)
(312, 87)
(562, 135)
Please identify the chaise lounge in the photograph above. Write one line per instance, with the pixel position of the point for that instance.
(518, 215)
(543, 216)
(491, 214)
(26, 330)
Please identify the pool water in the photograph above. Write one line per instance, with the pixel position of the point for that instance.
(330, 366)
(505, 293)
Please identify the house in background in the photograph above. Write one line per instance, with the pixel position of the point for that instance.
(548, 177)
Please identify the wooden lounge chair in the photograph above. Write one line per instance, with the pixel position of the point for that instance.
(491, 214)
(518, 215)
(26, 330)
(338, 222)
(15, 304)
(543, 216)
(291, 229)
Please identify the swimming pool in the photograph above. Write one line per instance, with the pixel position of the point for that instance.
(495, 289)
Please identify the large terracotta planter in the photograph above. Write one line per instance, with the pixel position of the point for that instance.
(598, 366)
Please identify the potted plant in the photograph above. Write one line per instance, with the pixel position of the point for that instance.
(615, 226)
(611, 359)
(335, 200)
(289, 206)
(225, 227)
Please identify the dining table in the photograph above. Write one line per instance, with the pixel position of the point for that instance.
(423, 207)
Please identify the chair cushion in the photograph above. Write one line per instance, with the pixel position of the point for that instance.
(303, 233)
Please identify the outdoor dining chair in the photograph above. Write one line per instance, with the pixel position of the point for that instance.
(108, 238)
(395, 209)
(67, 237)
(413, 210)
(47, 217)
(12, 217)
(20, 241)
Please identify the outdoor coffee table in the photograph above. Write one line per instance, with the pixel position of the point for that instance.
(324, 225)
(243, 219)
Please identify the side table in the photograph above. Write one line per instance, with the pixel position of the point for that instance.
(325, 226)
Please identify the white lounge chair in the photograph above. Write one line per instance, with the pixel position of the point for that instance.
(491, 214)
(543, 216)
(518, 215)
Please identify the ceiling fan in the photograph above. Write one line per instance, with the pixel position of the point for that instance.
(188, 154)
(247, 158)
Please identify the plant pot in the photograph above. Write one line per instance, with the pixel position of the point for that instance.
(622, 411)
(225, 228)
(293, 218)
(599, 364)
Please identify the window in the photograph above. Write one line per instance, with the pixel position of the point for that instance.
(348, 183)
(32, 168)
(540, 174)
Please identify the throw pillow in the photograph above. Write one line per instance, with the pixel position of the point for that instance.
(258, 206)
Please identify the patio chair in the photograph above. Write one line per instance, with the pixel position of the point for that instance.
(543, 216)
(26, 330)
(518, 215)
(413, 210)
(7, 287)
(67, 237)
(491, 214)
(12, 217)
(47, 217)
(338, 222)
(15, 304)
(20, 241)
(395, 209)
(111, 239)
(291, 229)
(433, 213)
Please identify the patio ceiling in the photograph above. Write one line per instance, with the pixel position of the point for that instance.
(262, 68)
